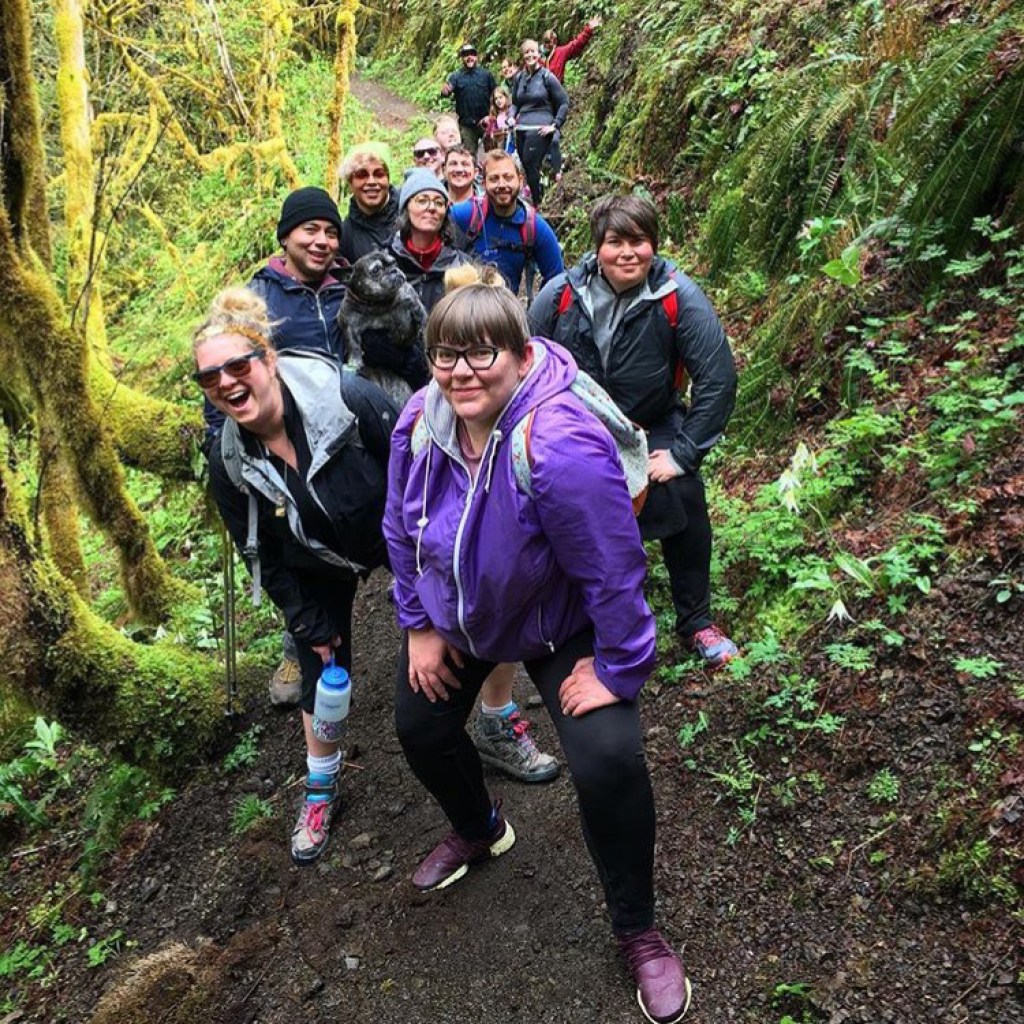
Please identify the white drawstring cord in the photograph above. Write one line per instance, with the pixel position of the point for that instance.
(421, 523)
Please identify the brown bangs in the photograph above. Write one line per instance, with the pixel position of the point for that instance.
(478, 314)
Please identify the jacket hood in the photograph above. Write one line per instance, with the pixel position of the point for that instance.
(658, 284)
(274, 271)
(552, 372)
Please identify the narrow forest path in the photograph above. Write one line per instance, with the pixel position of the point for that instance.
(783, 917)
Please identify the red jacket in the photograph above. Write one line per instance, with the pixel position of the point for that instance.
(561, 55)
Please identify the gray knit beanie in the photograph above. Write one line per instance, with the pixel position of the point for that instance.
(418, 180)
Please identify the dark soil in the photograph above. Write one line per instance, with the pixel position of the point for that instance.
(819, 906)
(795, 902)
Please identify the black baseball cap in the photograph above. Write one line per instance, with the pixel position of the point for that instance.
(466, 49)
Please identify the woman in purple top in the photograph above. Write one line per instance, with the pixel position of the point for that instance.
(486, 573)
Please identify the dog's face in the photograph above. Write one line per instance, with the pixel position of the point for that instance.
(376, 279)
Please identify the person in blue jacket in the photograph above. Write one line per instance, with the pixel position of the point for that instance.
(500, 228)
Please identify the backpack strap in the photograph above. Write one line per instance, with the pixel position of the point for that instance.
(670, 304)
(419, 438)
(477, 216)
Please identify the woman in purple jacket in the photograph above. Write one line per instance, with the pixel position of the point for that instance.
(486, 573)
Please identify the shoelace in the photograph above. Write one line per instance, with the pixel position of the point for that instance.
(519, 728)
(710, 636)
(313, 819)
(639, 949)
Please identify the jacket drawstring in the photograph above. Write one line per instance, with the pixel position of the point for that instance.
(421, 523)
(495, 442)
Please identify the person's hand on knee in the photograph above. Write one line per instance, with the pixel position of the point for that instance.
(582, 691)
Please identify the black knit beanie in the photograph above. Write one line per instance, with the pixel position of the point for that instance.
(305, 204)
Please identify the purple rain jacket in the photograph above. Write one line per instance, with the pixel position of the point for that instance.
(505, 576)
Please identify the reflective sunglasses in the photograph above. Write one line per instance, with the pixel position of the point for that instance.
(479, 357)
(364, 174)
(237, 367)
(421, 153)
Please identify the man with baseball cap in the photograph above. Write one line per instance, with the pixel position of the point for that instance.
(471, 86)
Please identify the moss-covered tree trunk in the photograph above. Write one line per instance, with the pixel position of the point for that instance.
(149, 702)
(344, 62)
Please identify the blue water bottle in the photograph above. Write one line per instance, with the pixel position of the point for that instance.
(333, 696)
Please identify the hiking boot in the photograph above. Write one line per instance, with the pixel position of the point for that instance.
(713, 646)
(504, 742)
(662, 988)
(309, 837)
(450, 859)
(286, 684)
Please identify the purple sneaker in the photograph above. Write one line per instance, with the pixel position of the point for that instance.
(662, 988)
(450, 859)
(713, 646)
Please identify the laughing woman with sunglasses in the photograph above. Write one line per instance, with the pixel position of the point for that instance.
(486, 573)
(299, 476)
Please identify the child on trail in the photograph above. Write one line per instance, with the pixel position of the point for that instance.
(497, 130)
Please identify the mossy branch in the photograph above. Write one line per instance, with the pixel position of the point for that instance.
(344, 63)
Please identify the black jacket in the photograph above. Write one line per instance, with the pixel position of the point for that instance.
(345, 423)
(361, 234)
(472, 89)
(428, 284)
(645, 353)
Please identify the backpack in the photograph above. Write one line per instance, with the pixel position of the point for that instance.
(669, 303)
(527, 230)
(527, 235)
(630, 440)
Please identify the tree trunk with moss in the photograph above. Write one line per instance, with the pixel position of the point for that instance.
(344, 62)
(152, 703)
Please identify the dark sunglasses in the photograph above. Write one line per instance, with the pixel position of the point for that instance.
(432, 151)
(238, 367)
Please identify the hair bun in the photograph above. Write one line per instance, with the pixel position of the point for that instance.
(473, 273)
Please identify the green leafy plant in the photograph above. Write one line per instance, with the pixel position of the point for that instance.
(982, 667)
(249, 810)
(884, 787)
(102, 950)
(246, 750)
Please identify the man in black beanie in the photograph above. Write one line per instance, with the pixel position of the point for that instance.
(303, 288)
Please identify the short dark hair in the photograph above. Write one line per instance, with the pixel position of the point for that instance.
(458, 148)
(630, 216)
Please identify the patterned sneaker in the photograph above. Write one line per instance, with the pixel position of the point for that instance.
(663, 990)
(450, 859)
(504, 742)
(713, 646)
(309, 837)
(286, 684)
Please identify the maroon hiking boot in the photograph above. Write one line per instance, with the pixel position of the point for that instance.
(451, 858)
(662, 988)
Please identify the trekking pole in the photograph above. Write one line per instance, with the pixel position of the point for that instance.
(230, 664)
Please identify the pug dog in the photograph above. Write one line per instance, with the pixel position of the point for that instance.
(382, 319)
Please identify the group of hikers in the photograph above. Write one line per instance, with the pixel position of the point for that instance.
(496, 497)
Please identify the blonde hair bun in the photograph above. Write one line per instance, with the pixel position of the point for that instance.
(473, 273)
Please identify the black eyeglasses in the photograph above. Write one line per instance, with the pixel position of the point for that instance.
(479, 357)
(421, 153)
(238, 367)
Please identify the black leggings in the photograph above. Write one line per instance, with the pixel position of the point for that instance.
(688, 561)
(604, 750)
(532, 148)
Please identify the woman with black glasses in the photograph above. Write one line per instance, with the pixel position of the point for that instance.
(299, 475)
(512, 537)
